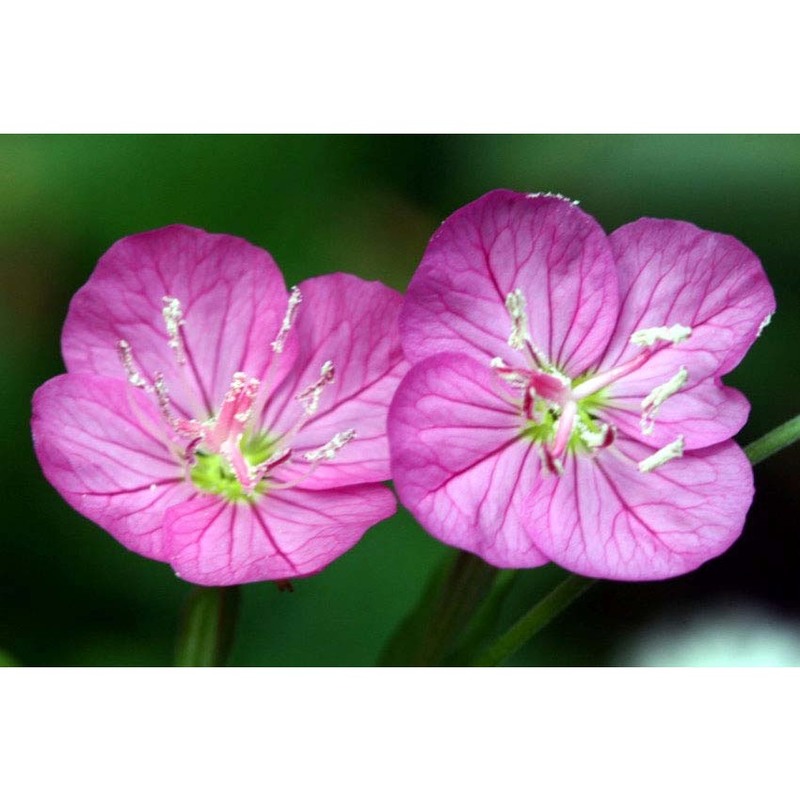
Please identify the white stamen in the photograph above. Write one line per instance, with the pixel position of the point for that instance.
(295, 298)
(666, 453)
(653, 401)
(261, 470)
(126, 356)
(592, 439)
(329, 449)
(647, 337)
(764, 323)
(280, 455)
(173, 317)
(163, 399)
(508, 374)
(515, 303)
(310, 396)
(556, 195)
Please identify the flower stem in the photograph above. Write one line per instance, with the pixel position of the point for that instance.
(552, 604)
(484, 619)
(770, 443)
(208, 626)
(432, 629)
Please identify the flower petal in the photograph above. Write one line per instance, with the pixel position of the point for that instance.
(604, 518)
(458, 463)
(100, 442)
(286, 534)
(353, 324)
(555, 253)
(704, 414)
(232, 296)
(675, 273)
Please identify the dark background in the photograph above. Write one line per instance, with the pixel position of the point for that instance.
(69, 594)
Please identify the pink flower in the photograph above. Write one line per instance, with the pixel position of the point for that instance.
(211, 419)
(565, 401)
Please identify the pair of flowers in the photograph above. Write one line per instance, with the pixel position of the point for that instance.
(543, 392)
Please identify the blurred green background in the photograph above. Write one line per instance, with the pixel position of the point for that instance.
(70, 595)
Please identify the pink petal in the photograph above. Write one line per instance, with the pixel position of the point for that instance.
(233, 299)
(352, 323)
(604, 518)
(551, 250)
(100, 442)
(704, 414)
(459, 465)
(674, 273)
(286, 534)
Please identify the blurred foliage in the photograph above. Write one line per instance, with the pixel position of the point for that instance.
(69, 594)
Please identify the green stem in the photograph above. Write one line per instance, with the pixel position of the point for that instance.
(431, 631)
(770, 443)
(552, 604)
(484, 619)
(209, 619)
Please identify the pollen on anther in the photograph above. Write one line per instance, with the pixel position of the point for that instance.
(126, 356)
(674, 334)
(515, 304)
(173, 318)
(295, 298)
(666, 453)
(162, 394)
(657, 397)
(555, 195)
(512, 376)
(310, 396)
(329, 449)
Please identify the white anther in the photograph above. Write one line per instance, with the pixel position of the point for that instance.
(556, 195)
(280, 455)
(666, 453)
(260, 470)
(764, 323)
(310, 396)
(515, 303)
(295, 298)
(173, 318)
(649, 336)
(329, 449)
(592, 439)
(509, 374)
(162, 394)
(653, 401)
(126, 356)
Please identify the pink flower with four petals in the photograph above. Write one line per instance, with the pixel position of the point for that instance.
(565, 401)
(211, 419)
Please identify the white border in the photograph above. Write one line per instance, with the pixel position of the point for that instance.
(399, 733)
(404, 67)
